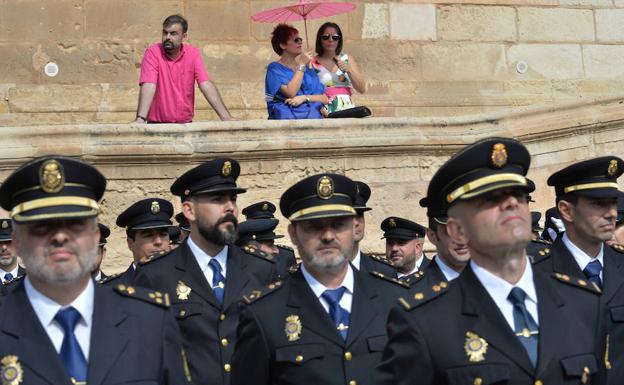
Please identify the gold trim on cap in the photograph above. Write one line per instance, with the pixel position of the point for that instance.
(54, 201)
(589, 186)
(475, 184)
(319, 209)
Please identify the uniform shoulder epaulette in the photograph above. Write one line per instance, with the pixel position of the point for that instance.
(14, 280)
(542, 254)
(157, 255)
(618, 248)
(111, 277)
(577, 282)
(262, 292)
(382, 260)
(294, 268)
(428, 293)
(252, 250)
(142, 294)
(396, 281)
(285, 247)
(411, 279)
(542, 241)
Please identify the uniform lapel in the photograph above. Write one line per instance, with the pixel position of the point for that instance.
(549, 306)
(34, 348)
(489, 322)
(193, 276)
(424, 263)
(613, 274)
(311, 313)
(363, 308)
(434, 273)
(564, 262)
(236, 278)
(109, 335)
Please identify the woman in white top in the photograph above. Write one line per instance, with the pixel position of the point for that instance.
(338, 71)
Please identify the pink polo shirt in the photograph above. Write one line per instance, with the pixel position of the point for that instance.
(174, 101)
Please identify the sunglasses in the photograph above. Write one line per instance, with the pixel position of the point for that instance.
(298, 40)
(333, 37)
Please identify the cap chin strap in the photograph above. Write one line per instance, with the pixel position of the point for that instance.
(54, 201)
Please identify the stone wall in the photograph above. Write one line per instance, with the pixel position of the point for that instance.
(395, 156)
(433, 58)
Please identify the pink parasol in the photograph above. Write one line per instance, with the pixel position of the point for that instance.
(303, 10)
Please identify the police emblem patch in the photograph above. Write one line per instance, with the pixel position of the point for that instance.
(226, 170)
(51, 176)
(293, 328)
(325, 187)
(265, 207)
(499, 155)
(10, 371)
(155, 209)
(475, 347)
(183, 291)
(613, 166)
(392, 222)
(5, 224)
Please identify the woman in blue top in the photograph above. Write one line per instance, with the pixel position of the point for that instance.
(290, 82)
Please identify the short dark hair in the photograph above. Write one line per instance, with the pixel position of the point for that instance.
(280, 35)
(319, 46)
(131, 234)
(572, 198)
(176, 19)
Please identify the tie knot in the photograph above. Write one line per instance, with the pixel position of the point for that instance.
(68, 318)
(214, 265)
(333, 296)
(594, 268)
(8, 276)
(517, 296)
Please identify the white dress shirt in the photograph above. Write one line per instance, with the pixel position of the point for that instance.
(13, 272)
(449, 273)
(318, 289)
(499, 290)
(203, 259)
(582, 259)
(416, 268)
(46, 309)
(357, 261)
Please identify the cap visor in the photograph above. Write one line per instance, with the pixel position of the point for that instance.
(222, 188)
(495, 186)
(324, 214)
(600, 193)
(55, 212)
(151, 225)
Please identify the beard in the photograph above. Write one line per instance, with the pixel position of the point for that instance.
(61, 275)
(7, 260)
(222, 237)
(168, 45)
(331, 265)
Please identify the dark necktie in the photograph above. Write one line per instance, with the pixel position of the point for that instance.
(8, 277)
(526, 328)
(592, 272)
(71, 353)
(338, 314)
(218, 280)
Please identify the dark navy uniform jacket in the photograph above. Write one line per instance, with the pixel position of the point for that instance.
(370, 263)
(208, 329)
(431, 334)
(560, 260)
(132, 341)
(315, 353)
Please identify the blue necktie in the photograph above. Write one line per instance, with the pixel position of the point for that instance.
(218, 280)
(8, 277)
(592, 272)
(338, 314)
(526, 328)
(71, 353)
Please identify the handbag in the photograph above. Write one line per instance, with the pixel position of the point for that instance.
(282, 111)
(355, 112)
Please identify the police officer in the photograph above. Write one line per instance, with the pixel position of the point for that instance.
(58, 326)
(207, 275)
(618, 234)
(266, 210)
(404, 245)
(360, 260)
(97, 273)
(147, 224)
(537, 244)
(499, 321)
(258, 235)
(183, 225)
(325, 323)
(9, 268)
(586, 196)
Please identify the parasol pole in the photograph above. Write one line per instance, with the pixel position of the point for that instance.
(305, 24)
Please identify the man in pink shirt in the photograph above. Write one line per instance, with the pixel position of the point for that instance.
(169, 71)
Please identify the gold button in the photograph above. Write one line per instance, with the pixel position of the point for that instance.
(538, 382)
(182, 313)
(227, 367)
(224, 342)
(299, 359)
(221, 317)
(348, 356)
(477, 381)
(352, 382)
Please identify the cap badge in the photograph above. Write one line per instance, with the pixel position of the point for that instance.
(392, 222)
(325, 187)
(499, 155)
(293, 328)
(613, 166)
(475, 347)
(5, 224)
(182, 291)
(155, 209)
(10, 371)
(226, 170)
(51, 176)
(265, 207)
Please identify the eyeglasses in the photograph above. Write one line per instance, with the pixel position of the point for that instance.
(298, 40)
(333, 37)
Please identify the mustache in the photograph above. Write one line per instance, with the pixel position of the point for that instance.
(49, 249)
(228, 218)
